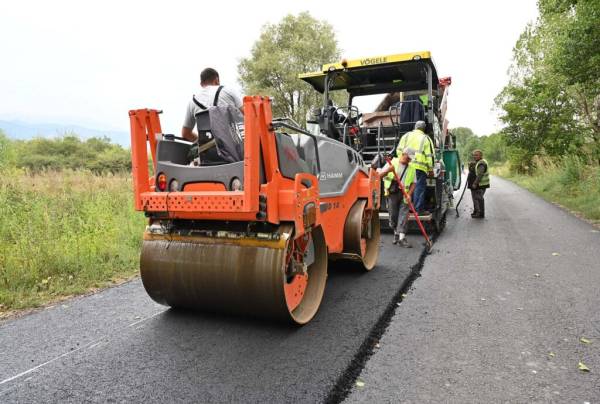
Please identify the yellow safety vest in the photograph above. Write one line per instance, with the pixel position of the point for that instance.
(421, 144)
(407, 180)
(484, 182)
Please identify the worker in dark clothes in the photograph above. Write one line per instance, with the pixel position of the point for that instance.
(471, 176)
(480, 182)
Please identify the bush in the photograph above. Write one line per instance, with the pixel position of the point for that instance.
(571, 172)
(520, 161)
(69, 152)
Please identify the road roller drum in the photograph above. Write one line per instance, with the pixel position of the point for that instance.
(252, 234)
(239, 275)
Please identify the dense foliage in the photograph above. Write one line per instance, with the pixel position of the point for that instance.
(551, 105)
(98, 155)
(493, 146)
(297, 44)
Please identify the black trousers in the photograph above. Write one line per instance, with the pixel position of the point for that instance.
(478, 201)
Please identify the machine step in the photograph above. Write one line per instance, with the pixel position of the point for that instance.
(411, 217)
(422, 218)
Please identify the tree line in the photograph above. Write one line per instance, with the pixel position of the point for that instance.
(551, 104)
(493, 146)
(98, 155)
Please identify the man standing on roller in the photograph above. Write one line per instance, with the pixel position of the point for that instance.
(212, 93)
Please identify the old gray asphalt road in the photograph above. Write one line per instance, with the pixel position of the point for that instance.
(120, 346)
(498, 312)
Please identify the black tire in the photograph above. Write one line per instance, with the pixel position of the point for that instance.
(439, 222)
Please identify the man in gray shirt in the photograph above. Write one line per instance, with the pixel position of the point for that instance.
(211, 93)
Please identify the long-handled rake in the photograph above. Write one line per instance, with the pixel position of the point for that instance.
(410, 205)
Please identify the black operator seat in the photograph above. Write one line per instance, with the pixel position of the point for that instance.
(328, 121)
(218, 141)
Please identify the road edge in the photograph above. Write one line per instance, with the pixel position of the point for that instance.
(345, 382)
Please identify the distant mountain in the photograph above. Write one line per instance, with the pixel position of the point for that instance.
(25, 130)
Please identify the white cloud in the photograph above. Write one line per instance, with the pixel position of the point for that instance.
(90, 62)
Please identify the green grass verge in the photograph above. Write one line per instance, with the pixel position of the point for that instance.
(63, 234)
(569, 183)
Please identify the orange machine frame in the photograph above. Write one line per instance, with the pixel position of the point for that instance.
(286, 198)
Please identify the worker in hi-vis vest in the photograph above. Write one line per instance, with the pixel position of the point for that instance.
(397, 205)
(480, 182)
(421, 145)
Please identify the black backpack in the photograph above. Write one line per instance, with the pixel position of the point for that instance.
(211, 154)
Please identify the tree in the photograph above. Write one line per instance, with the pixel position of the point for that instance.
(494, 148)
(551, 105)
(466, 142)
(297, 44)
(539, 117)
(575, 30)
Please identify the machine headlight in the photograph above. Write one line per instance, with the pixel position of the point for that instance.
(174, 185)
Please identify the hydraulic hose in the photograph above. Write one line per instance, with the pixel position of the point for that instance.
(461, 198)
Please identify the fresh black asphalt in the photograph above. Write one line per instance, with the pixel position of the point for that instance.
(118, 345)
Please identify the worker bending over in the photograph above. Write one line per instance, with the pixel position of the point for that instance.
(397, 204)
(421, 145)
(480, 182)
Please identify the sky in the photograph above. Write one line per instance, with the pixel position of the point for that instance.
(89, 63)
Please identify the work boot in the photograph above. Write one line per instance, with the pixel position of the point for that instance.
(404, 243)
(396, 238)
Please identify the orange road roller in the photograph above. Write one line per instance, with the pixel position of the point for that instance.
(246, 219)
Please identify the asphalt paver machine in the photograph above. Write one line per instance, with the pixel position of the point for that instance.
(251, 234)
(412, 92)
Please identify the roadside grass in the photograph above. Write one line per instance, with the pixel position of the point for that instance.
(570, 183)
(64, 233)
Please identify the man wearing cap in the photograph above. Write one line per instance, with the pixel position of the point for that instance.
(397, 204)
(422, 147)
